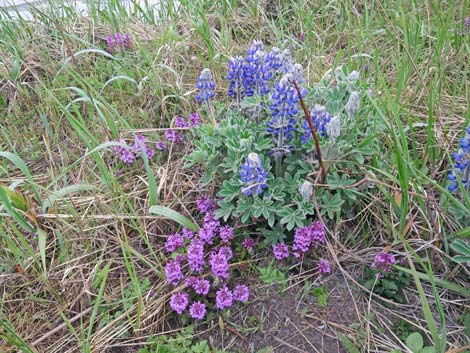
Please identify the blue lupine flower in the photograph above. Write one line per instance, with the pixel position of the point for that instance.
(320, 119)
(235, 76)
(462, 164)
(283, 109)
(256, 71)
(206, 85)
(253, 175)
(275, 59)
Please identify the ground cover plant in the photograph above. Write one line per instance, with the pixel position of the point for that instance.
(235, 176)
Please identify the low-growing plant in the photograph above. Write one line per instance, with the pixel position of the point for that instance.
(203, 290)
(266, 155)
(183, 342)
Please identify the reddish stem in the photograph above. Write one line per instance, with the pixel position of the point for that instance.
(312, 129)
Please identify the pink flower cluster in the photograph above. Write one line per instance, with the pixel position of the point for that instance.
(129, 154)
(383, 262)
(305, 238)
(175, 136)
(212, 242)
(118, 41)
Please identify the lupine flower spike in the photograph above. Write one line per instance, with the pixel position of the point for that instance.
(206, 85)
(461, 164)
(253, 175)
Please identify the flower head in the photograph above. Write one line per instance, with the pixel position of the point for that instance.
(204, 204)
(306, 190)
(281, 251)
(181, 122)
(201, 286)
(173, 272)
(383, 262)
(320, 118)
(160, 145)
(174, 242)
(223, 298)
(196, 255)
(194, 119)
(173, 136)
(352, 106)
(236, 77)
(197, 310)
(205, 85)
(324, 266)
(256, 71)
(226, 234)
(248, 243)
(283, 110)
(333, 127)
(461, 164)
(179, 302)
(253, 175)
(241, 293)
(308, 236)
(140, 145)
(219, 265)
(187, 233)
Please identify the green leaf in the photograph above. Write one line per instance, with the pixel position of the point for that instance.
(174, 216)
(415, 342)
(428, 349)
(460, 246)
(331, 205)
(16, 198)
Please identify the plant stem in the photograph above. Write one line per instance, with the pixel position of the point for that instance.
(313, 130)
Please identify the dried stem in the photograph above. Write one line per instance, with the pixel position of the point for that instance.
(313, 130)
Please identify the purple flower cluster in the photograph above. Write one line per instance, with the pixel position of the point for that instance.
(383, 262)
(118, 42)
(304, 239)
(461, 164)
(281, 251)
(205, 85)
(466, 27)
(283, 110)
(204, 204)
(250, 75)
(174, 242)
(212, 241)
(320, 118)
(253, 175)
(129, 154)
(180, 122)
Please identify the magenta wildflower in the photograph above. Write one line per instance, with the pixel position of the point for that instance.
(126, 153)
(173, 272)
(317, 232)
(117, 41)
(383, 262)
(302, 241)
(210, 222)
(196, 255)
(241, 293)
(190, 281)
(219, 265)
(324, 266)
(179, 302)
(207, 235)
(201, 286)
(174, 242)
(197, 310)
(226, 251)
(204, 204)
(160, 145)
(181, 122)
(226, 234)
(173, 136)
(187, 233)
(194, 119)
(248, 243)
(140, 141)
(308, 236)
(281, 251)
(223, 298)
